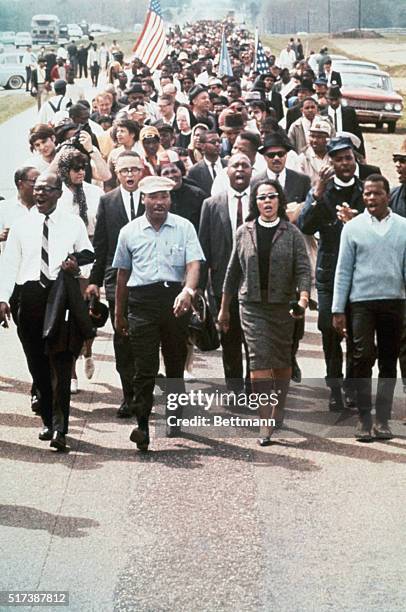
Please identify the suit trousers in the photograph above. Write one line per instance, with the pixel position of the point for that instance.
(402, 353)
(383, 318)
(152, 324)
(14, 308)
(124, 359)
(28, 72)
(231, 344)
(51, 373)
(331, 341)
(82, 69)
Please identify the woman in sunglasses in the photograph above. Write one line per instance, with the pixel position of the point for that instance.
(268, 265)
(79, 198)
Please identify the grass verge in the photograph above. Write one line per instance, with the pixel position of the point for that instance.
(12, 104)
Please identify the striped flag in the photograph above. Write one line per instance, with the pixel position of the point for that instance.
(151, 47)
(261, 63)
(224, 68)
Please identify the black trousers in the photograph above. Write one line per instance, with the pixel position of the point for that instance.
(124, 359)
(50, 373)
(28, 73)
(383, 319)
(14, 308)
(402, 353)
(152, 324)
(231, 344)
(333, 354)
(82, 70)
(94, 73)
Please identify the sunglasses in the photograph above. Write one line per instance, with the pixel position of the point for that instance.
(399, 158)
(267, 196)
(77, 168)
(46, 188)
(273, 154)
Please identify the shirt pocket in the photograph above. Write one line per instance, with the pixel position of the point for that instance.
(177, 255)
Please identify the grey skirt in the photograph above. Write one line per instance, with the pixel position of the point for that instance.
(268, 331)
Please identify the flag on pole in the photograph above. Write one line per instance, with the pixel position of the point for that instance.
(224, 68)
(151, 46)
(261, 63)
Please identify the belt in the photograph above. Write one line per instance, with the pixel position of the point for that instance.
(160, 285)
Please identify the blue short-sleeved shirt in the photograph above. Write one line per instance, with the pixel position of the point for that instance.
(155, 256)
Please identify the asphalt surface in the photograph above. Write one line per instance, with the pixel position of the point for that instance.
(202, 522)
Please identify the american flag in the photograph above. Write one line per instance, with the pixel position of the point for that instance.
(151, 47)
(261, 64)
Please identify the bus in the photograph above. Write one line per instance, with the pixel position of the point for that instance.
(44, 29)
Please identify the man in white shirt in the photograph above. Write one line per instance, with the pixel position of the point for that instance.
(19, 206)
(35, 254)
(29, 61)
(287, 58)
(221, 216)
(58, 102)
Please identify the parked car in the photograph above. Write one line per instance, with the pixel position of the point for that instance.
(23, 39)
(74, 31)
(342, 64)
(371, 94)
(7, 38)
(12, 71)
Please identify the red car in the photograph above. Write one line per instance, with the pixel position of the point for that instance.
(371, 94)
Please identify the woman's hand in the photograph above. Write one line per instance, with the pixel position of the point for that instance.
(223, 320)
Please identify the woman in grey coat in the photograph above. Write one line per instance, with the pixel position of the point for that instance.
(268, 266)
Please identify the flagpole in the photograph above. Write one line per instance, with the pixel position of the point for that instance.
(256, 48)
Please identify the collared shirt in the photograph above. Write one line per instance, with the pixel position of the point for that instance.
(21, 261)
(93, 194)
(29, 59)
(127, 200)
(218, 166)
(381, 226)
(281, 178)
(157, 256)
(233, 206)
(331, 113)
(11, 211)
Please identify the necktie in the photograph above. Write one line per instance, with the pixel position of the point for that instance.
(239, 210)
(335, 120)
(132, 206)
(277, 178)
(213, 167)
(44, 276)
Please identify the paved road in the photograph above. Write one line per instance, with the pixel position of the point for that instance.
(200, 523)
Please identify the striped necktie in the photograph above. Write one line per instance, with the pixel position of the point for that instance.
(44, 277)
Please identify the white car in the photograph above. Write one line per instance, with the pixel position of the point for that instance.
(23, 39)
(74, 31)
(12, 71)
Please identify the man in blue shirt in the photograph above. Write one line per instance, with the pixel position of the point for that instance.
(371, 276)
(158, 259)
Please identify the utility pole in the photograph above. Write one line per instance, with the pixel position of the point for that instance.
(329, 16)
(359, 14)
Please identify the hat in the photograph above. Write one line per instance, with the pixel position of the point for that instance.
(354, 139)
(152, 184)
(195, 91)
(135, 88)
(338, 144)
(232, 121)
(321, 126)
(149, 131)
(99, 313)
(275, 140)
(334, 92)
(215, 81)
(252, 95)
(163, 127)
(320, 81)
(306, 85)
(64, 125)
(183, 56)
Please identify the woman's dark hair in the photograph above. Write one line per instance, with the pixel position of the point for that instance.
(253, 208)
(131, 126)
(179, 164)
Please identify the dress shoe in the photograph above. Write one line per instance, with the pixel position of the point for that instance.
(382, 431)
(173, 431)
(264, 441)
(45, 434)
(313, 305)
(363, 429)
(140, 437)
(296, 372)
(335, 403)
(124, 412)
(58, 441)
(35, 404)
(349, 400)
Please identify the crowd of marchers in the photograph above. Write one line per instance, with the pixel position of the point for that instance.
(158, 190)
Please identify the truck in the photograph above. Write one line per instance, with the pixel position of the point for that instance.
(44, 29)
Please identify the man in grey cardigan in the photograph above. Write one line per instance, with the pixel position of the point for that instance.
(371, 275)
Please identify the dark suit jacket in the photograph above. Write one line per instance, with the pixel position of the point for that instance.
(350, 124)
(215, 235)
(200, 175)
(297, 185)
(366, 169)
(335, 78)
(275, 101)
(187, 202)
(111, 217)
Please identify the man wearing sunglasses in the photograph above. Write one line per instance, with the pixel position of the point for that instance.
(116, 209)
(35, 253)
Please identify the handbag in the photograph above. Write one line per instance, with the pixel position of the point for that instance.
(202, 327)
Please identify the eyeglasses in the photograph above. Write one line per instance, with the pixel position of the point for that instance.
(45, 188)
(267, 196)
(399, 158)
(133, 170)
(273, 154)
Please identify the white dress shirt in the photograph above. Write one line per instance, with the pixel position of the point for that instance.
(21, 260)
(218, 167)
(331, 113)
(380, 227)
(233, 206)
(11, 211)
(127, 203)
(92, 195)
(281, 178)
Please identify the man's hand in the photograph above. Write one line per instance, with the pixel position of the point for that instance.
(4, 234)
(4, 314)
(325, 174)
(303, 302)
(223, 320)
(85, 140)
(121, 325)
(70, 265)
(340, 324)
(92, 290)
(182, 303)
(345, 213)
